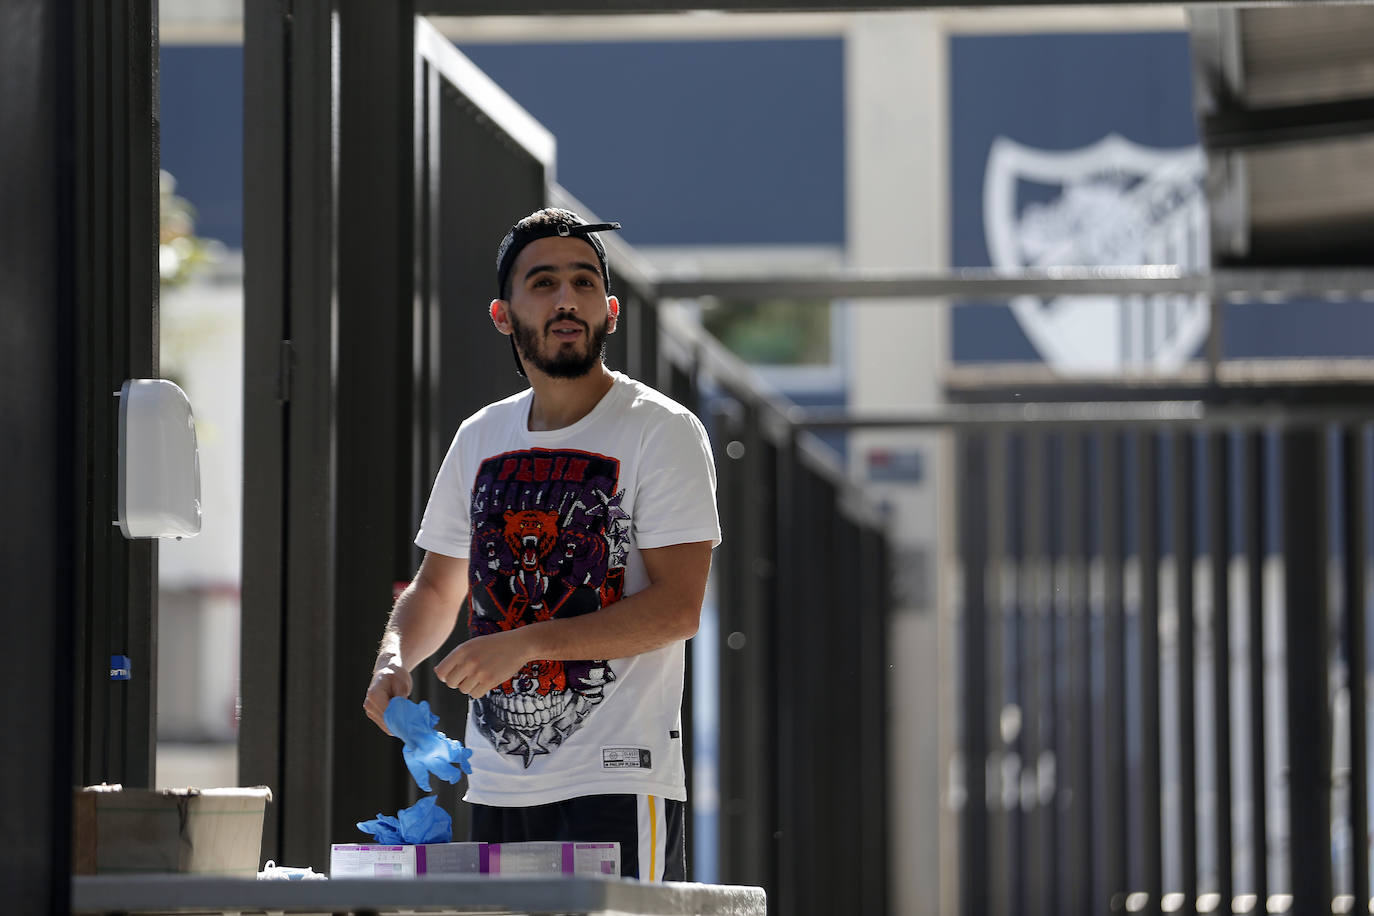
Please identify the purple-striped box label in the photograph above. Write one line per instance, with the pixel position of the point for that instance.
(551, 858)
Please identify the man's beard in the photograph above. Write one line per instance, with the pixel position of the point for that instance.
(561, 365)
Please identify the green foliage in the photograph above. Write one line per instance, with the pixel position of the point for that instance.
(181, 252)
(774, 332)
(189, 330)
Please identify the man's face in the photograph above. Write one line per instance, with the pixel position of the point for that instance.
(558, 310)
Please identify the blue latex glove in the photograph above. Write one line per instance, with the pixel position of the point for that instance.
(426, 751)
(385, 829)
(422, 822)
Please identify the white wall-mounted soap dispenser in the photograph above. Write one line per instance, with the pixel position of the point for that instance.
(159, 465)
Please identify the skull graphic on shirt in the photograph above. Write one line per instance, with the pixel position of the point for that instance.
(549, 540)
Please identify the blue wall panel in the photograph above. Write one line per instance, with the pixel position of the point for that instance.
(202, 134)
(1064, 92)
(1058, 92)
(687, 143)
(1051, 92)
(692, 142)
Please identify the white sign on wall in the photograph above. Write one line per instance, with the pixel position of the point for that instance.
(1114, 203)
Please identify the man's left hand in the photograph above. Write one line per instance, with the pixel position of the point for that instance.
(483, 663)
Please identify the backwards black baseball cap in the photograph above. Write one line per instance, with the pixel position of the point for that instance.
(544, 224)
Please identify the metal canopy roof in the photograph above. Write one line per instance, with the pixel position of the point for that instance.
(1285, 98)
(595, 7)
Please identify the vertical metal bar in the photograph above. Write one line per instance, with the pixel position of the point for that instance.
(115, 267)
(731, 591)
(1036, 701)
(91, 250)
(873, 723)
(836, 638)
(790, 640)
(682, 383)
(842, 642)
(802, 703)
(744, 642)
(1053, 702)
(39, 345)
(1256, 493)
(973, 552)
(646, 349)
(1219, 515)
(1112, 500)
(766, 590)
(106, 616)
(1000, 594)
(140, 190)
(687, 392)
(1184, 550)
(427, 437)
(1305, 627)
(309, 459)
(779, 592)
(1076, 794)
(818, 821)
(432, 435)
(264, 413)
(1015, 629)
(1085, 792)
(290, 364)
(378, 364)
(1355, 496)
(1152, 866)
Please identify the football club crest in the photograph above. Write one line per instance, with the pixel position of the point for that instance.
(1114, 203)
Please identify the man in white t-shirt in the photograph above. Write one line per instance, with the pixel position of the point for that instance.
(578, 519)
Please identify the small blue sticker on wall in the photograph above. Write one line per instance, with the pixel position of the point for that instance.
(120, 668)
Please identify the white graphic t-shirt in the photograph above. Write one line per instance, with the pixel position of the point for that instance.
(552, 523)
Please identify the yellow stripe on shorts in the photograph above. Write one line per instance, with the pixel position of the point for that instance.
(653, 838)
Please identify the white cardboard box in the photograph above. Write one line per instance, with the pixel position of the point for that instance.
(371, 861)
(347, 861)
(197, 831)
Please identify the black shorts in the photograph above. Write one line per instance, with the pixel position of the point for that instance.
(649, 829)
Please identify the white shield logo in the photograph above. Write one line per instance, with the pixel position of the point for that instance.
(1112, 203)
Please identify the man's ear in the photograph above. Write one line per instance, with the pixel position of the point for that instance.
(613, 314)
(499, 315)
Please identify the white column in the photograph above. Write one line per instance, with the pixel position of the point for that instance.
(898, 217)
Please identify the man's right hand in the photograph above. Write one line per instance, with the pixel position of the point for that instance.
(389, 680)
(424, 616)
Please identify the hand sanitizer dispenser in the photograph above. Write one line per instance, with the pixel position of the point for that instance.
(159, 466)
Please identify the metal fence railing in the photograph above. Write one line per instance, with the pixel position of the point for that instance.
(803, 597)
(1163, 666)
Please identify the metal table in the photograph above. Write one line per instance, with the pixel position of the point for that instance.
(183, 894)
